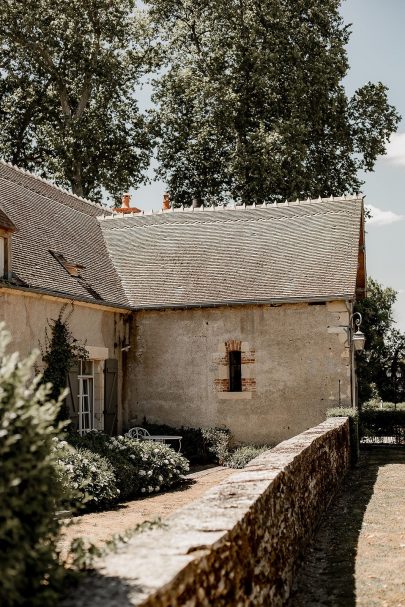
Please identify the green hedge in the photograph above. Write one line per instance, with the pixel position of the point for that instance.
(30, 489)
(378, 423)
(198, 445)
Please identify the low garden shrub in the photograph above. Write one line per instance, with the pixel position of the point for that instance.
(139, 467)
(243, 455)
(199, 445)
(88, 476)
(30, 489)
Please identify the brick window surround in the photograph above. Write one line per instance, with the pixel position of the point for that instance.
(248, 360)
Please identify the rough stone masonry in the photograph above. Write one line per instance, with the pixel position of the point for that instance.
(239, 544)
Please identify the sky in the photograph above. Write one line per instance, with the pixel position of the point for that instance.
(376, 53)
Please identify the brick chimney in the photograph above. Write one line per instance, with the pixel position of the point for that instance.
(125, 205)
(166, 202)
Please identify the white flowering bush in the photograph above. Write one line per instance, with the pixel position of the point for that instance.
(88, 476)
(140, 467)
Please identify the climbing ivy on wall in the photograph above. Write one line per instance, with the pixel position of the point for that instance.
(61, 351)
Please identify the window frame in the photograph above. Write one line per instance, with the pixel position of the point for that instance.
(83, 376)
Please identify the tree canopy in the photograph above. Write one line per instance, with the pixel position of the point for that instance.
(68, 71)
(252, 108)
(384, 353)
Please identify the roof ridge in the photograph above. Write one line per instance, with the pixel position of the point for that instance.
(53, 185)
(232, 207)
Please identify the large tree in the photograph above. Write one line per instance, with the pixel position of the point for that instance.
(384, 353)
(68, 71)
(251, 107)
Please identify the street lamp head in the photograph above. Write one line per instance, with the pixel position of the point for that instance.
(358, 340)
(358, 337)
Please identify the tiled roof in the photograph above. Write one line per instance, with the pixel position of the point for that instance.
(292, 251)
(49, 218)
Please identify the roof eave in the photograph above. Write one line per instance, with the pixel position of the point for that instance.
(65, 296)
(269, 301)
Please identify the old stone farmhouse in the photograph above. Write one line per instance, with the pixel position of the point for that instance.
(236, 317)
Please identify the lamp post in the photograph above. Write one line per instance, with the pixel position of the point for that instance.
(394, 377)
(357, 341)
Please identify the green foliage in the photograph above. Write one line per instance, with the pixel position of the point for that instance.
(61, 351)
(140, 467)
(30, 490)
(243, 455)
(198, 445)
(252, 108)
(217, 442)
(69, 71)
(84, 554)
(375, 424)
(384, 348)
(89, 477)
(343, 412)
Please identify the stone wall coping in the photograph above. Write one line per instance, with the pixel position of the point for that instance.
(154, 559)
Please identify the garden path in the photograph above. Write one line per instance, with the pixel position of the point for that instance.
(97, 527)
(357, 557)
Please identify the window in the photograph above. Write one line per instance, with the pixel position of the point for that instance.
(235, 371)
(86, 395)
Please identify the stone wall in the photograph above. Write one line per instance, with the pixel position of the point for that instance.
(295, 365)
(239, 544)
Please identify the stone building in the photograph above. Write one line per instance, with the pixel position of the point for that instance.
(236, 317)
(54, 259)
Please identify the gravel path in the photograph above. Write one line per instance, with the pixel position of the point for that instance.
(100, 526)
(357, 558)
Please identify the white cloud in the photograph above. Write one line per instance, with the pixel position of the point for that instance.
(396, 149)
(379, 217)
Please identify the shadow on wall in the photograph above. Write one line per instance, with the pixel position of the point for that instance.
(327, 574)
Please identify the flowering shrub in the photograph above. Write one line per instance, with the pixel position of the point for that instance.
(140, 467)
(88, 476)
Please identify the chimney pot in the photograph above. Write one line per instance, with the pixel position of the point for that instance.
(126, 199)
(166, 202)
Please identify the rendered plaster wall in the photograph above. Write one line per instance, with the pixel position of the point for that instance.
(238, 545)
(295, 362)
(26, 318)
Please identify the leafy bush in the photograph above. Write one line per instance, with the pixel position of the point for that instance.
(198, 445)
(139, 466)
(30, 489)
(89, 476)
(243, 455)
